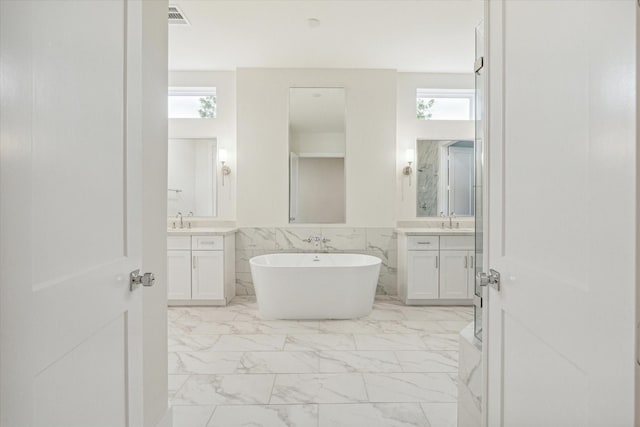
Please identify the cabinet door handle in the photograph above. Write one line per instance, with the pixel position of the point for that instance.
(437, 266)
(193, 262)
(470, 261)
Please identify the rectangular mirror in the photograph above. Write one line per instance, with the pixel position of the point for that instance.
(192, 177)
(317, 142)
(444, 175)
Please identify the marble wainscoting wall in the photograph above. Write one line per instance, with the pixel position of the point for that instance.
(379, 242)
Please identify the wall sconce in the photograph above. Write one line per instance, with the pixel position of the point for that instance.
(226, 170)
(407, 170)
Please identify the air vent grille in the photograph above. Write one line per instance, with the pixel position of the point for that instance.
(176, 17)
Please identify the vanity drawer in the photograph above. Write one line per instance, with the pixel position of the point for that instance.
(422, 243)
(179, 242)
(207, 243)
(457, 242)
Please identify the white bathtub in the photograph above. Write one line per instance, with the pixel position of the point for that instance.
(315, 286)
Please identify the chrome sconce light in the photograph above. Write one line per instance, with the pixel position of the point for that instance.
(407, 170)
(226, 170)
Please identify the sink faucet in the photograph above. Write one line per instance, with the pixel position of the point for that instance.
(453, 215)
(442, 216)
(189, 222)
(180, 216)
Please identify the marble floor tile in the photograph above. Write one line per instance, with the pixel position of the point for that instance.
(249, 343)
(453, 326)
(265, 416)
(350, 327)
(192, 415)
(410, 387)
(183, 342)
(432, 313)
(428, 361)
(358, 361)
(318, 388)
(440, 341)
(441, 414)
(225, 328)
(318, 342)
(288, 327)
(386, 313)
(206, 314)
(373, 415)
(229, 367)
(204, 362)
(411, 327)
(389, 342)
(225, 389)
(175, 382)
(278, 362)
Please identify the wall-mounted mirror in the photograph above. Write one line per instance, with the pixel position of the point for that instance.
(445, 173)
(192, 177)
(316, 155)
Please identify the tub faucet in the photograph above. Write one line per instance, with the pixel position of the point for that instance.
(315, 239)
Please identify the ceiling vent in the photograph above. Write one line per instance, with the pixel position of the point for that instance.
(176, 17)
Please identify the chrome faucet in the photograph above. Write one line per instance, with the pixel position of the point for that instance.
(189, 222)
(180, 216)
(451, 217)
(442, 216)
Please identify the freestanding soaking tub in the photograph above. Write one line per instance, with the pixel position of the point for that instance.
(315, 286)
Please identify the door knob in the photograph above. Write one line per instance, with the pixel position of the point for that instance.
(136, 279)
(492, 279)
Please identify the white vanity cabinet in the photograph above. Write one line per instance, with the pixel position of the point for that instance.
(423, 265)
(436, 269)
(200, 270)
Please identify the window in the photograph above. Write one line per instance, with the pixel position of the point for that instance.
(445, 104)
(192, 103)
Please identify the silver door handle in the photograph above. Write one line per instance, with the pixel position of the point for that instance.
(470, 261)
(466, 262)
(437, 263)
(136, 279)
(193, 262)
(492, 279)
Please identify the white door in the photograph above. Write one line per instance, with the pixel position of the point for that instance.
(70, 342)
(454, 274)
(179, 274)
(208, 275)
(422, 274)
(562, 214)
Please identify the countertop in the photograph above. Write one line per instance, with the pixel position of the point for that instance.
(436, 231)
(201, 231)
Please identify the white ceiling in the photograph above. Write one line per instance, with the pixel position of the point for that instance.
(419, 35)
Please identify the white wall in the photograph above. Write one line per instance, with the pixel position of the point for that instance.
(410, 129)
(262, 145)
(223, 128)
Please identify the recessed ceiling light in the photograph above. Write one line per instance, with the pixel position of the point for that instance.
(313, 22)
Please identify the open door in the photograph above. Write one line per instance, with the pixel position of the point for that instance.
(562, 214)
(70, 213)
